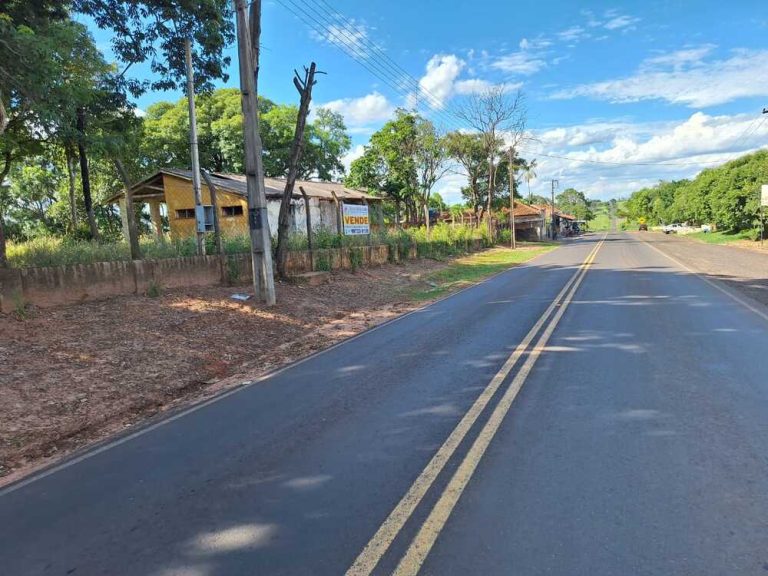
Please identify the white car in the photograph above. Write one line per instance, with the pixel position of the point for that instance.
(672, 228)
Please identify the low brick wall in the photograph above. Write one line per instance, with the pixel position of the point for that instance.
(58, 285)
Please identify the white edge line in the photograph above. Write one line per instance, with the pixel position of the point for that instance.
(714, 283)
(91, 452)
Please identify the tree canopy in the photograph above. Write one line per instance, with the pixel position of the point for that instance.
(726, 196)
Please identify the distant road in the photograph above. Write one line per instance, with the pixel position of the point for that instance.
(597, 411)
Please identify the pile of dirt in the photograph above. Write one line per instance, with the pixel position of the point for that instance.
(74, 374)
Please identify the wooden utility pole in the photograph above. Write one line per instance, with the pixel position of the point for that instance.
(258, 224)
(196, 187)
(309, 230)
(553, 233)
(513, 239)
(130, 213)
(304, 86)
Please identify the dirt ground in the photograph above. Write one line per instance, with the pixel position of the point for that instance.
(74, 374)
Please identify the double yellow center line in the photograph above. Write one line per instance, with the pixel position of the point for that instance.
(417, 552)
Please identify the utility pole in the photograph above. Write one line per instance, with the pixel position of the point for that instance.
(196, 187)
(258, 225)
(304, 86)
(555, 184)
(513, 239)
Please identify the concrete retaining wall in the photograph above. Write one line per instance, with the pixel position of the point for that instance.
(58, 285)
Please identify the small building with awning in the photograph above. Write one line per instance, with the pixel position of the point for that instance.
(169, 195)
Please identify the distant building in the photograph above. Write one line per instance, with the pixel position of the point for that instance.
(169, 192)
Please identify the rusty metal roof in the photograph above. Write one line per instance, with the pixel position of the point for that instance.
(152, 187)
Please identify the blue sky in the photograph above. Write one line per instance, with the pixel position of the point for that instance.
(681, 83)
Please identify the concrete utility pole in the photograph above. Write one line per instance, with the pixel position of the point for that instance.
(196, 187)
(555, 184)
(513, 239)
(258, 224)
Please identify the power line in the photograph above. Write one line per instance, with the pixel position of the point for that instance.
(342, 39)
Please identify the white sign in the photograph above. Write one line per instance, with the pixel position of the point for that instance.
(356, 219)
(764, 195)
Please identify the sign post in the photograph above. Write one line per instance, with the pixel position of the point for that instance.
(357, 221)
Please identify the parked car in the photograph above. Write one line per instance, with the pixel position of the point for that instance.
(643, 227)
(672, 228)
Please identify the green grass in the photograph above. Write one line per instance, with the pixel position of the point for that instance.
(725, 237)
(444, 241)
(473, 268)
(601, 222)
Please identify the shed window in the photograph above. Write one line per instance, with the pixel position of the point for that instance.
(185, 214)
(232, 210)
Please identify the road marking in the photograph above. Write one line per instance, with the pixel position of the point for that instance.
(366, 562)
(422, 544)
(712, 283)
(98, 448)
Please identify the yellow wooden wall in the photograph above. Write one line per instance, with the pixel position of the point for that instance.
(179, 195)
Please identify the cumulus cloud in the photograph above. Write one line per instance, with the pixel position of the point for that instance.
(362, 111)
(685, 77)
(439, 82)
(682, 149)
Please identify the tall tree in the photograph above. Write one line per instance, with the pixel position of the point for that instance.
(495, 113)
(431, 162)
(467, 150)
(388, 165)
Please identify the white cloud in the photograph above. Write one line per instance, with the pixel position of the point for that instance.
(439, 82)
(362, 111)
(351, 35)
(683, 77)
(522, 63)
(573, 34)
(352, 155)
(683, 147)
(478, 86)
(618, 22)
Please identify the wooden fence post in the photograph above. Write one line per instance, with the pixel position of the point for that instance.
(215, 207)
(309, 229)
(339, 216)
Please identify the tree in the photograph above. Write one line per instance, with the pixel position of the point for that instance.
(574, 202)
(304, 86)
(165, 143)
(430, 159)
(155, 30)
(468, 151)
(388, 165)
(492, 114)
(529, 173)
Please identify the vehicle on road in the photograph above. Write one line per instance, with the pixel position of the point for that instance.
(643, 227)
(672, 228)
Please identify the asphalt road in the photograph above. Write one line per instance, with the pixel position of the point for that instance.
(637, 444)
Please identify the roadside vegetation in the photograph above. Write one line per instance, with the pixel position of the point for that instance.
(471, 269)
(444, 240)
(726, 197)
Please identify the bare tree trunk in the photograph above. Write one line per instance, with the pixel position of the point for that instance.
(3, 175)
(490, 198)
(71, 177)
(85, 174)
(130, 213)
(3, 115)
(297, 147)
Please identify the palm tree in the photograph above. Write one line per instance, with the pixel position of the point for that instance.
(529, 173)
